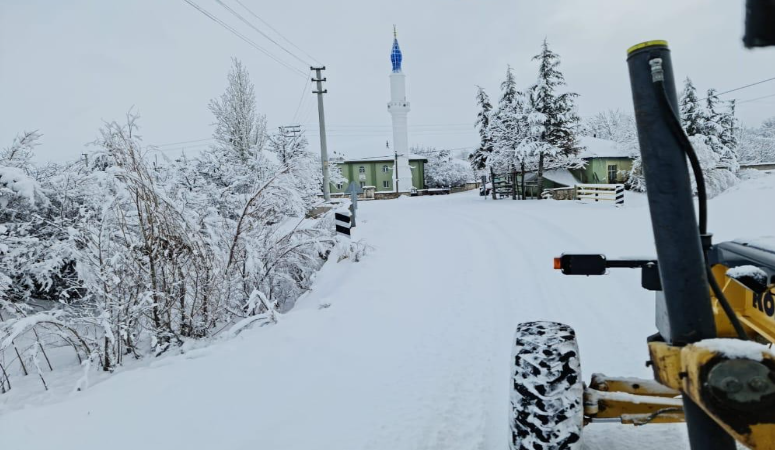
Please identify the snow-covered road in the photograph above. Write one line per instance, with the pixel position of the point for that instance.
(413, 351)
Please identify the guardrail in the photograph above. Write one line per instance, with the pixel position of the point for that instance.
(601, 192)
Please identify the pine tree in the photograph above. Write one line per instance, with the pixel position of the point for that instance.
(728, 137)
(239, 129)
(509, 90)
(560, 120)
(508, 129)
(483, 120)
(712, 127)
(691, 111)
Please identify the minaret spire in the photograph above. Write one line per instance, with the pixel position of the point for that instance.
(395, 54)
(399, 108)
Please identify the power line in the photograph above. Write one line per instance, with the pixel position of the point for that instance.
(278, 33)
(754, 99)
(301, 100)
(247, 22)
(185, 142)
(244, 38)
(741, 87)
(185, 147)
(467, 125)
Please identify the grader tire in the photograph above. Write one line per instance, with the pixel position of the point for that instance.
(547, 411)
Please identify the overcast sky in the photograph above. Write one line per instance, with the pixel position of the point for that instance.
(66, 66)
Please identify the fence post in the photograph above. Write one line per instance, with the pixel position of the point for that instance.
(513, 183)
(619, 194)
(492, 183)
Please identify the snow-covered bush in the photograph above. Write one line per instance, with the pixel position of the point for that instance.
(757, 145)
(443, 169)
(115, 257)
(717, 179)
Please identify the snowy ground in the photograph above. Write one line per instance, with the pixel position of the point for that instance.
(413, 352)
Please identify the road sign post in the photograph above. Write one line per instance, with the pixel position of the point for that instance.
(353, 189)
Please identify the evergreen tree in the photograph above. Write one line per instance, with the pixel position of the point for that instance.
(559, 121)
(508, 129)
(483, 119)
(691, 111)
(728, 137)
(239, 128)
(712, 127)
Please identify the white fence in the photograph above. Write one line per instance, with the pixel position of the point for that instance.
(600, 192)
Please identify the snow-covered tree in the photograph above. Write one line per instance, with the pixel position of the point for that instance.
(716, 130)
(507, 128)
(116, 257)
(19, 153)
(613, 125)
(729, 125)
(757, 145)
(716, 180)
(712, 126)
(553, 115)
(443, 169)
(483, 122)
(691, 110)
(239, 128)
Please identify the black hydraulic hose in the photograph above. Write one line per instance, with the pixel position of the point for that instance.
(722, 299)
(702, 197)
(686, 145)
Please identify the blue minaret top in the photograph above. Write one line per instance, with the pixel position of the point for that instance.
(395, 53)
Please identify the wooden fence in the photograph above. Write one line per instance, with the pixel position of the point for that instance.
(601, 192)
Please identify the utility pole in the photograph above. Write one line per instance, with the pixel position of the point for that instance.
(322, 119)
(290, 131)
(290, 134)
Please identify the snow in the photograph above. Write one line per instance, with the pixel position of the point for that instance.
(766, 243)
(735, 348)
(379, 356)
(748, 271)
(17, 181)
(602, 148)
(636, 399)
(560, 176)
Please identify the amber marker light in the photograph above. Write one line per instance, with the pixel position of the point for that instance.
(557, 263)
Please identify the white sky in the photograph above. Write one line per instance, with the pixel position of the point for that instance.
(67, 66)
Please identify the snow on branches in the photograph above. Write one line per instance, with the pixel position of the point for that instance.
(114, 257)
(531, 130)
(443, 169)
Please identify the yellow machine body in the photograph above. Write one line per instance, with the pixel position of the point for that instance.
(683, 370)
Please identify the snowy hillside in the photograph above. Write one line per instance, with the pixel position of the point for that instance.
(407, 349)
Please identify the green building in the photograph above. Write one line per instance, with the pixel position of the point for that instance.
(378, 172)
(607, 162)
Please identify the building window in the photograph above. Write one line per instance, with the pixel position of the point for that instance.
(612, 172)
(363, 183)
(386, 184)
(385, 168)
(361, 169)
(339, 185)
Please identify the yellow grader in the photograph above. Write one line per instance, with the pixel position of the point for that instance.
(713, 358)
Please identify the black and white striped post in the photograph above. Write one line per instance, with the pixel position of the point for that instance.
(343, 222)
(619, 194)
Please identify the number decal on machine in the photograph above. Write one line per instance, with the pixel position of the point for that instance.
(765, 303)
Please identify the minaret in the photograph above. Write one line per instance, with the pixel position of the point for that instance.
(398, 107)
